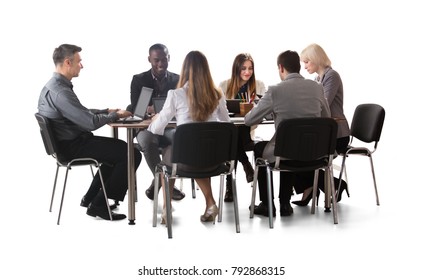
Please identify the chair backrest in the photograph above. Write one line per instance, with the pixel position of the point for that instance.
(47, 134)
(204, 144)
(367, 122)
(306, 139)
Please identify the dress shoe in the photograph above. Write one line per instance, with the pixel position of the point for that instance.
(286, 209)
(306, 200)
(249, 171)
(85, 203)
(263, 210)
(177, 194)
(98, 211)
(150, 191)
(228, 193)
(210, 214)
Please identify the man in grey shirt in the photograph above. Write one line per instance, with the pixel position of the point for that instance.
(294, 97)
(72, 124)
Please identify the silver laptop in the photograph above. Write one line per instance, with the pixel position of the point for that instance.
(158, 103)
(140, 111)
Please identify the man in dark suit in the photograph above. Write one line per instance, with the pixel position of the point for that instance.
(161, 81)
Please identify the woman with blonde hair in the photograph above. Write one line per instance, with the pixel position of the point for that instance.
(242, 85)
(196, 99)
(317, 61)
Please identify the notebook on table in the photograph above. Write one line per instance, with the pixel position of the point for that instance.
(233, 105)
(140, 111)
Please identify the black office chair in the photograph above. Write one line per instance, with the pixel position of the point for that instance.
(138, 147)
(200, 144)
(302, 144)
(366, 126)
(51, 149)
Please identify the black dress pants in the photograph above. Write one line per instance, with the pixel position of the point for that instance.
(112, 153)
(244, 138)
(286, 181)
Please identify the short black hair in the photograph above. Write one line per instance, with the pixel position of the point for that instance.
(64, 51)
(158, 46)
(290, 60)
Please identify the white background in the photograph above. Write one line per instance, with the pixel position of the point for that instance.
(376, 47)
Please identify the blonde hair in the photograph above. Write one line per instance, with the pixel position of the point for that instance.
(235, 81)
(203, 96)
(315, 54)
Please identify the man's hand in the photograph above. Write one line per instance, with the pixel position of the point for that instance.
(123, 113)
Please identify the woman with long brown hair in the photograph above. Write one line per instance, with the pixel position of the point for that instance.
(242, 85)
(196, 99)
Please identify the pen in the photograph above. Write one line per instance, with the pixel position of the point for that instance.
(253, 96)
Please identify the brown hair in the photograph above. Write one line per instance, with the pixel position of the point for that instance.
(203, 97)
(235, 81)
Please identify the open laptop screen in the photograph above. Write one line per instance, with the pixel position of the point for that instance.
(140, 111)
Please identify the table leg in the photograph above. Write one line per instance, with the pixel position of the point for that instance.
(131, 177)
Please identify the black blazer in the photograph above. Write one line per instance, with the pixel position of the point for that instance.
(145, 79)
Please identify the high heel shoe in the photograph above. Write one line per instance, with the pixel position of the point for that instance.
(164, 216)
(210, 214)
(228, 194)
(341, 189)
(163, 220)
(249, 171)
(306, 200)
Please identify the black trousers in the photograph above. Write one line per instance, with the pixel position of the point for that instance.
(244, 138)
(110, 151)
(286, 181)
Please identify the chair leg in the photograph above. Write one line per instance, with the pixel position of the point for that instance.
(333, 197)
(193, 188)
(328, 191)
(341, 173)
(222, 181)
(102, 183)
(168, 209)
(235, 196)
(155, 201)
(253, 194)
(313, 202)
(269, 196)
(54, 187)
(346, 180)
(374, 179)
(63, 195)
(104, 192)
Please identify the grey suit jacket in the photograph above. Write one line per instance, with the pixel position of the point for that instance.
(334, 93)
(295, 97)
